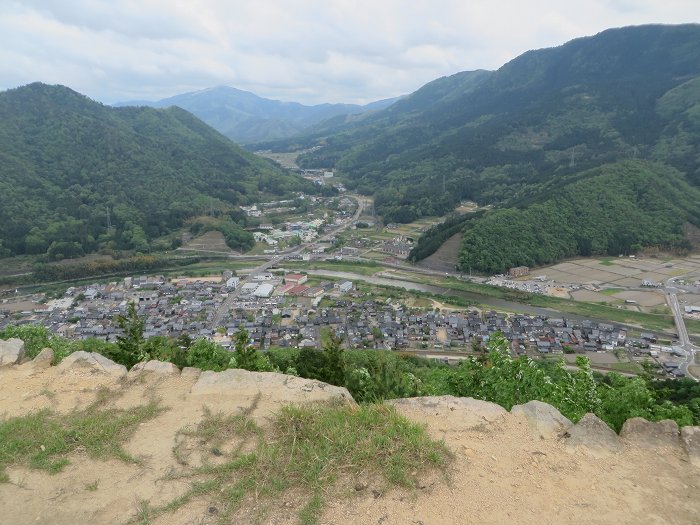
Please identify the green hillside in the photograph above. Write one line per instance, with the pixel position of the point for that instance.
(69, 167)
(497, 137)
(614, 209)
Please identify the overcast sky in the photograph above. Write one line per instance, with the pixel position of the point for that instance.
(303, 50)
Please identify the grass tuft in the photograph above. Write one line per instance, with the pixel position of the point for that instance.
(43, 440)
(310, 448)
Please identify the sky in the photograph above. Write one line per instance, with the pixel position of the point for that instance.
(307, 51)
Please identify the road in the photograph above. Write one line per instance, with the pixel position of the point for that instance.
(226, 305)
(690, 350)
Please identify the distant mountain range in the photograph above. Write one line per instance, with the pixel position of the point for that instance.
(246, 118)
(77, 176)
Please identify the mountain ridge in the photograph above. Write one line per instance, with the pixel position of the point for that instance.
(88, 176)
(245, 117)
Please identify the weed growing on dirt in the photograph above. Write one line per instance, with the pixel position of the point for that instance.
(43, 440)
(307, 448)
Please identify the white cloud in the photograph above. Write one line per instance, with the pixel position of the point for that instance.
(306, 50)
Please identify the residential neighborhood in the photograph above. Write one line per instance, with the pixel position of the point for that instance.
(292, 309)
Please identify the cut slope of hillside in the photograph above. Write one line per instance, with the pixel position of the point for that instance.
(517, 467)
(87, 176)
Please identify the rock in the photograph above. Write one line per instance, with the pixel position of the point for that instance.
(651, 434)
(161, 368)
(690, 437)
(242, 380)
(546, 420)
(462, 412)
(190, 371)
(94, 362)
(594, 434)
(11, 351)
(41, 362)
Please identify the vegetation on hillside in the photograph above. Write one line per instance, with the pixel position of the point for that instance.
(615, 209)
(517, 136)
(78, 176)
(377, 375)
(548, 113)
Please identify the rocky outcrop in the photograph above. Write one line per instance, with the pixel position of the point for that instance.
(594, 434)
(544, 419)
(191, 372)
(43, 359)
(651, 434)
(462, 412)
(11, 351)
(159, 368)
(690, 437)
(94, 362)
(218, 382)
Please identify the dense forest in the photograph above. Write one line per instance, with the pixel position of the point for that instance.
(78, 176)
(615, 209)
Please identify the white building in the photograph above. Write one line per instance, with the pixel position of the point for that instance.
(344, 286)
(264, 290)
(233, 282)
(265, 276)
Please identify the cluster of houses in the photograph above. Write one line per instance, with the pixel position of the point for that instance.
(289, 310)
(399, 246)
(305, 230)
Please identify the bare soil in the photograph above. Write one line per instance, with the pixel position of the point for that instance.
(446, 257)
(503, 472)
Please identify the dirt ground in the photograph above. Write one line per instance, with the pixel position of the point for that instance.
(445, 258)
(503, 472)
(212, 241)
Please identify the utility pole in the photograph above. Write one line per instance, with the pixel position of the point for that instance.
(572, 162)
(109, 221)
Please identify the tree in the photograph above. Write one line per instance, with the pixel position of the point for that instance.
(333, 370)
(131, 343)
(246, 356)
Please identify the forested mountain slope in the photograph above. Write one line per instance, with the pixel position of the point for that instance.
(547, 115)
(71, 167)
(614, 209)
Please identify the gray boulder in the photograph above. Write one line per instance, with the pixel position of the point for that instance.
(690, 437)
(161, 368)
(94, 362)
(544, 419)
(244, 381)
(652, 434)
(190, 371)
(463, 412)
(42, 360)
(594, 434)
(11, 351)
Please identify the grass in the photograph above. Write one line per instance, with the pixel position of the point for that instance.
(607, 261)
(611, 291)
(363, 268)
(629, 367)
(306, 451)
(693, 326)
(43, 440)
